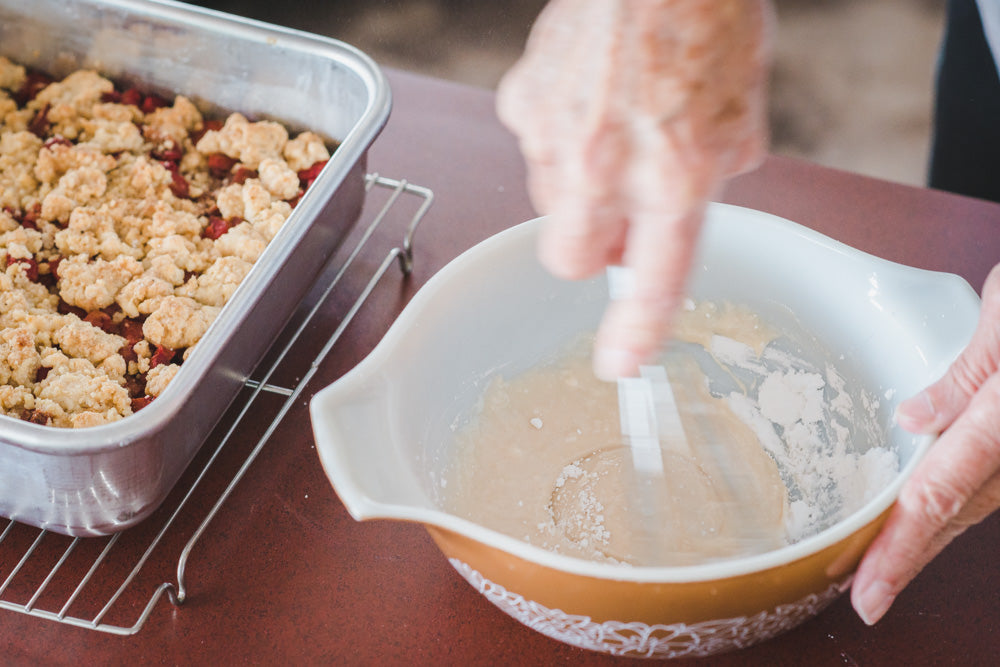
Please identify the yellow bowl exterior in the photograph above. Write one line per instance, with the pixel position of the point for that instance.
(737, 611)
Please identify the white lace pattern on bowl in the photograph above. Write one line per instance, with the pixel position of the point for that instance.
(639, 639)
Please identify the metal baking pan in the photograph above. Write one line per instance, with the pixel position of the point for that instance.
(103, 479)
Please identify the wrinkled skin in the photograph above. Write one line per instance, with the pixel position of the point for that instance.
(958, 484)
(631, 114)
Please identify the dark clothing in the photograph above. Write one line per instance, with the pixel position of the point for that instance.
(965, 150)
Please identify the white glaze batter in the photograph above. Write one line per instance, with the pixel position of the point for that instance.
(544, 460)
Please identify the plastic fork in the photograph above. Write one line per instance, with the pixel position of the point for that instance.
(651, 425)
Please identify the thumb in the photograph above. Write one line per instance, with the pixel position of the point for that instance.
(935, 408)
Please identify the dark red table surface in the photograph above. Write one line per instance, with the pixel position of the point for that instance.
(284, 575)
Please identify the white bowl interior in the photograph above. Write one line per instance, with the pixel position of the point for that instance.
(385, 430)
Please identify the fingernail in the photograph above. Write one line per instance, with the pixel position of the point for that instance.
(916, 412)
(872, 602)
(613, 363)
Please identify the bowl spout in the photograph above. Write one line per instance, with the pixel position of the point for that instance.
(362, 449)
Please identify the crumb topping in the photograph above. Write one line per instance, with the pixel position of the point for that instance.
(127, 221)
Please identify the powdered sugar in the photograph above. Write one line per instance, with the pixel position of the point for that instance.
(584, 523)
(807, 421)
(793, 397)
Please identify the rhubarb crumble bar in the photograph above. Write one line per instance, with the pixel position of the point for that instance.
(126, 223)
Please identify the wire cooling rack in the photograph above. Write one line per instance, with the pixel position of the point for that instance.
(40, 572)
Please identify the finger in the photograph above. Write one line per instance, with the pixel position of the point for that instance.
(872, 595)
(580, 242)
(579, 189)
(935, 408)
(586, 229)
(952, 487)
(588, 221)
(659, 251)
(666, 204)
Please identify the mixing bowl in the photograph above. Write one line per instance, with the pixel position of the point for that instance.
(385, 430)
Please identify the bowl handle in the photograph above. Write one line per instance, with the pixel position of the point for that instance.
(941, 310)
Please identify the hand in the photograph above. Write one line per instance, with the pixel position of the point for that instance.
(958, 483)
(630, 114)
